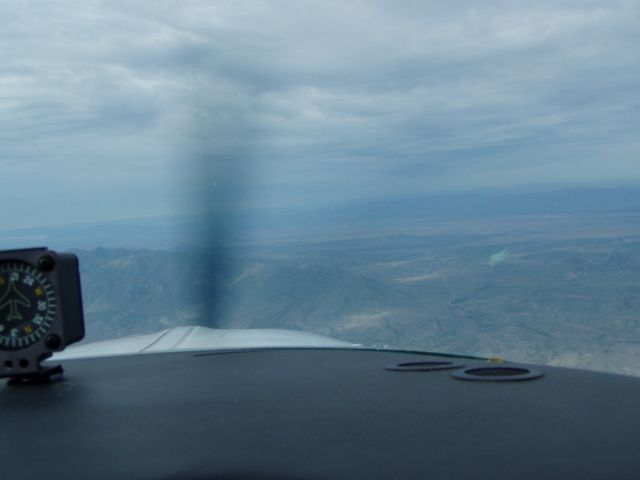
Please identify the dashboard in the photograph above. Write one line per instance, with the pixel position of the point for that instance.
(319, 413)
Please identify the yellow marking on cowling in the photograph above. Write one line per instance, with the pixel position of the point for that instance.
(39, 291)
(495, 360)
(27, 329)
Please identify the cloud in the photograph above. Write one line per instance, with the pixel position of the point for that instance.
(322, 102)
(498, 257)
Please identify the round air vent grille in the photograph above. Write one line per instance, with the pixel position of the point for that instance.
(422, 366)
(497, 373)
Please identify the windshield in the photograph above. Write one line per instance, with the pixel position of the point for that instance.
(458, 178)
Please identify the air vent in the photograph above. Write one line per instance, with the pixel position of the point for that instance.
(497, 373)
(422, 366)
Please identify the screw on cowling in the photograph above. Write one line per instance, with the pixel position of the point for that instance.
(46, 263)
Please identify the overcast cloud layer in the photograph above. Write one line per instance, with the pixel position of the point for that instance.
(120, 109)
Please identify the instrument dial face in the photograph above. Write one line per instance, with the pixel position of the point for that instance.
(27, 305)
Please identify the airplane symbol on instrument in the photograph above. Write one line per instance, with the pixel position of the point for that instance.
(13, 299)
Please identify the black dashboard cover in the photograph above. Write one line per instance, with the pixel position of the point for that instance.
(315, 414)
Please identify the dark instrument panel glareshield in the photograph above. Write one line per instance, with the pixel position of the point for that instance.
(316, 413)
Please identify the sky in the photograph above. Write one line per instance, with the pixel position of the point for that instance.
(124, 109)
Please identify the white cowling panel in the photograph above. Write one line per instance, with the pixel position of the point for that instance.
(199, 338)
